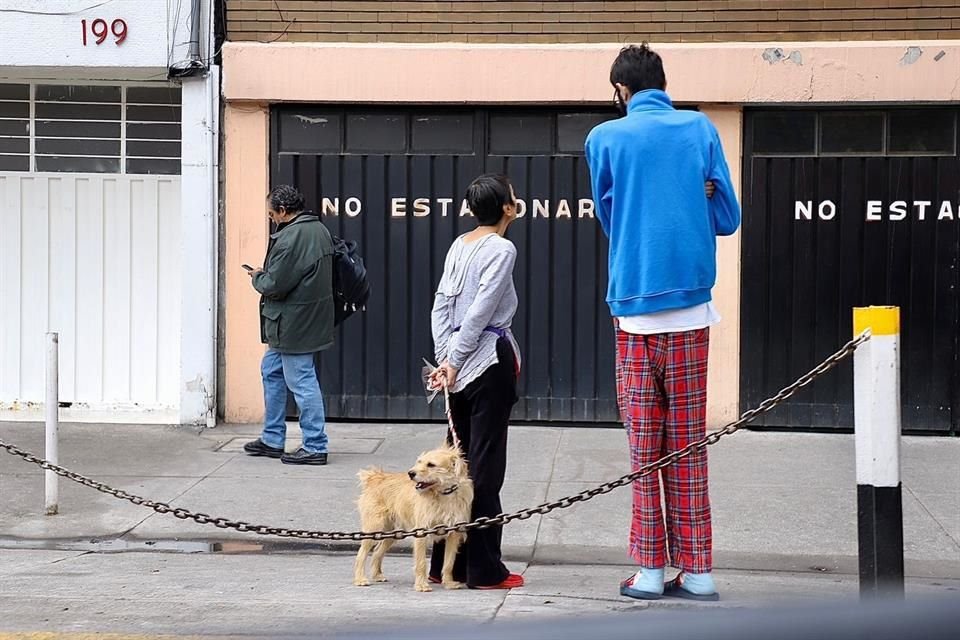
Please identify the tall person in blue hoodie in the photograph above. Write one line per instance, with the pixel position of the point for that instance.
(648, 170)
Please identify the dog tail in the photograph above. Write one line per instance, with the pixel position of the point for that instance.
(365, 475)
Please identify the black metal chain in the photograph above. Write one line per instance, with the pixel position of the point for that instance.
(479, 523)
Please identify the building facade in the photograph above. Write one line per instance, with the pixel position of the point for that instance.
(108, 208)
(839, 119)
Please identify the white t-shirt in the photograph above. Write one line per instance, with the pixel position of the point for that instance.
(671, 321)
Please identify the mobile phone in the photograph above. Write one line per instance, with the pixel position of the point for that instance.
(247, 267)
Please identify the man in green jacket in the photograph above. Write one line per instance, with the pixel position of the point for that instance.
(296, 321)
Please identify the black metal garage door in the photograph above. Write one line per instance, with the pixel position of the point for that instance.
(845, 209)
(393, 180)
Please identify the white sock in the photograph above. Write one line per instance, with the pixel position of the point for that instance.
(648, 580)
(698, 583)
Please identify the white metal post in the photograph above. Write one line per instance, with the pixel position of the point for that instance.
(877, 436)
(52, 430)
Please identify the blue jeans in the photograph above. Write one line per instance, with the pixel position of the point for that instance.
(295, 371)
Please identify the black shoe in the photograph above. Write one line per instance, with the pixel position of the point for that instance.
(258, 448)
(300, 456)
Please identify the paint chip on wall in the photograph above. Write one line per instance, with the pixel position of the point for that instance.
(912, 55)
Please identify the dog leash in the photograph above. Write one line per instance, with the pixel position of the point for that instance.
(446, 405)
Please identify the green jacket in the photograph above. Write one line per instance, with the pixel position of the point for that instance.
(296, 286)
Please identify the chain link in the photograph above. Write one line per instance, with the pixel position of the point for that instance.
(479, 523)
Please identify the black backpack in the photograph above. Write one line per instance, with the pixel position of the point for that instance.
(350, 287)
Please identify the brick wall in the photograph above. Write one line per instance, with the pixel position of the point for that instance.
(551, 21)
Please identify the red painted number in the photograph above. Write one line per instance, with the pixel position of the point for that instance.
(119, 29)
(100, 30)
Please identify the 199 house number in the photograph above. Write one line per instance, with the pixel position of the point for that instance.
(99, 31)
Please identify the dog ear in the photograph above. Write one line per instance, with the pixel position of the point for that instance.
(459, 464)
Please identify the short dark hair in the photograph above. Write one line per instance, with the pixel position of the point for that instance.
(287, 198)
(638, 68)
(486, 197)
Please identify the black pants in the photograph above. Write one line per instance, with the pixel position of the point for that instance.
(481, 413)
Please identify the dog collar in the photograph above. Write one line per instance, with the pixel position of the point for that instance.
(447, 492)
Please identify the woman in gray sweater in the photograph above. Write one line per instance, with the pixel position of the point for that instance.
(479, 363)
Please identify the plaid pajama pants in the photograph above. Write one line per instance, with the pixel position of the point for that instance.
(662, 397)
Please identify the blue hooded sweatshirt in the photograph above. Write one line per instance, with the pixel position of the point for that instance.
(648, 171)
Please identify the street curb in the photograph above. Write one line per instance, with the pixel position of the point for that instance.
(525, 554)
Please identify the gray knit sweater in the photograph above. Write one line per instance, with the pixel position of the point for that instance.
(476, 291)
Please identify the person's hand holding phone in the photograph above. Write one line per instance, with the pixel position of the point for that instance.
(250, 270)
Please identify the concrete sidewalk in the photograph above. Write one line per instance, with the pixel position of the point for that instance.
(80, 595)
(781, 501)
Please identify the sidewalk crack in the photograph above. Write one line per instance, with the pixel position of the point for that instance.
(496, 612)
(546, 497)
(181, 494)
(942, 528)
(73, 557)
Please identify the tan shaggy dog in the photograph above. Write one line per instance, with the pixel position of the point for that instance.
(436, 491)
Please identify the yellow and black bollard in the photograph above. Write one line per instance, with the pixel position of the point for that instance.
(876, 366)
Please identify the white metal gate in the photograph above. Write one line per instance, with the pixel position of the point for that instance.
(94, 257)
(89, 247)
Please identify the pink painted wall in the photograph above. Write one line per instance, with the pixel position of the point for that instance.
(723, 377)
(700, 73)
(246, 129)
(706, 74)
